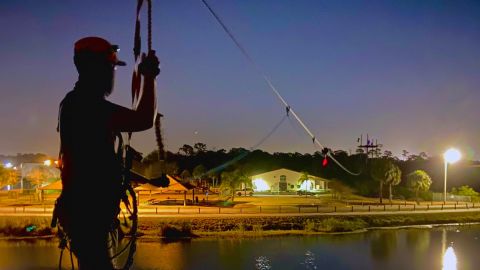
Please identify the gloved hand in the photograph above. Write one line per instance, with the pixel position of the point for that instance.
(149, 65)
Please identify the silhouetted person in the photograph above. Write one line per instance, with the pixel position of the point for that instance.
(88, 123)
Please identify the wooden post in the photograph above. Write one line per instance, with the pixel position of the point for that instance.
(260, 209)
(156, 210)
(184, 198)
(178, 210)
(369, 208)
(317, 208)
(428, 207)
(199, 210)
(399, 207)
(352, 208)
(219, 210)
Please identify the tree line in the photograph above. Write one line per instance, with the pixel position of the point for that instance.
(407, 176)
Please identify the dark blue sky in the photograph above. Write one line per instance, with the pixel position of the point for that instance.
(406, 72)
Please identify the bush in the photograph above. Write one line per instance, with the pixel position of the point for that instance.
(334, 225)
(170, 231)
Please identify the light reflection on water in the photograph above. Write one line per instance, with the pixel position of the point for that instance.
(262, 263)
(309, 262)
(449, 259)
(380, 249)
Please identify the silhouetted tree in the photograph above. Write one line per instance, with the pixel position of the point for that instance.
(200, 147)
(393, 176)
(186, 149)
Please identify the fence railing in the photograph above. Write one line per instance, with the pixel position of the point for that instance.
(269, 209)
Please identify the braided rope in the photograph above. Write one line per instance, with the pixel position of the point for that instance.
(149, 40)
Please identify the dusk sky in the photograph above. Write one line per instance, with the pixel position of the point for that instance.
(406, 72)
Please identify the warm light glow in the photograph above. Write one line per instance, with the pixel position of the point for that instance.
(307, 185)
(260, 185)
(449, 261)
(8, 165)
(47, 162)
(56, 162)
(452, 155)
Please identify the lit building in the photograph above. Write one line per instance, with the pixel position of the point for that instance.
(284, 180)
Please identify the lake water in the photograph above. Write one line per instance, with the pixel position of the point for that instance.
(449, 248)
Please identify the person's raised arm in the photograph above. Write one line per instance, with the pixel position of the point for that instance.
(142, 117)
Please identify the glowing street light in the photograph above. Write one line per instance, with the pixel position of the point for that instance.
(451, 156)
(47, 162)
(8, 165)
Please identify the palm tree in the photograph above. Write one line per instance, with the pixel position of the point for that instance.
(212, 174)
(393, 176)
(419, 181)
(378, 170)
(231, 180)
(199, 172)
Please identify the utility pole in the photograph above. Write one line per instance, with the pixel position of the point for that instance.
(369, 145)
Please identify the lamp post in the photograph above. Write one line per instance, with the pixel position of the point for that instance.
(452, 155)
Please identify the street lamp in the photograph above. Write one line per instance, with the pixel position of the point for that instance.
(452, 155)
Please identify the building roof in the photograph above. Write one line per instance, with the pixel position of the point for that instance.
(175, 185)
(283, 169)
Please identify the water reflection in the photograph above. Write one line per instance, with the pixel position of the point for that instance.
(449, 259)
(418, 241)
(262, 263)
(415, 249)
(309, 261)
(383, 244)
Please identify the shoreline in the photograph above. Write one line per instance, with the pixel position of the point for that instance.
(215, 227)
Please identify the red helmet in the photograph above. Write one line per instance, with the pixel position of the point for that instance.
(98, 46)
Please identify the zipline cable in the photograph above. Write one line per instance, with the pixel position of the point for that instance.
(272, 87)
(245, 153)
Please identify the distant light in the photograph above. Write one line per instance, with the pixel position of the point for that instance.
(307, 185)
(452, 155)
(47, 162)
(8, 187)
(8, 165)
(260, 185)
(15, 168)
(56, 162)
(449, 261)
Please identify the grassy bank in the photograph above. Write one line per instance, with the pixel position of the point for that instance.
(181, 227)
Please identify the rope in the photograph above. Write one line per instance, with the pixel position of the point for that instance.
(245, 153)
(149, 26)
(270, 84)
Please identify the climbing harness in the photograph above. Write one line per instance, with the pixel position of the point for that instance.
(288, 108)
